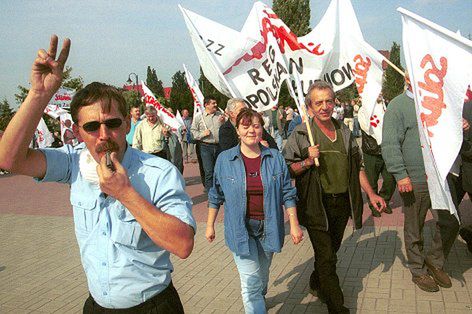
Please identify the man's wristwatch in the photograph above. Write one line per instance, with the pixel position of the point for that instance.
(303, 164)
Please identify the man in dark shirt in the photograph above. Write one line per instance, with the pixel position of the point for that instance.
(228, 135)
(330, 193)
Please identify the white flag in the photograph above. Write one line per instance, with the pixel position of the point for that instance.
(43, 137)
(440, 66)
(197, 94)
(254, 63)
(351, 58)
(54, 111)
(372, 122)
(62, 98)
(67, 134)
(178, 116)
(165, 115)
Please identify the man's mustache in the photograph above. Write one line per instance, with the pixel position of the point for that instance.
(107, 146)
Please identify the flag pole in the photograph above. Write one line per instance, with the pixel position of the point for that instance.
(302, 105)
(390, 63)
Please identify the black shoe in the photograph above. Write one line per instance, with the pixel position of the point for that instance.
(317, 293)
(315, 288)
(388, 210)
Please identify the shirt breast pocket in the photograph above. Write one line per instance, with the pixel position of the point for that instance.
(84, 212)
(125, 229)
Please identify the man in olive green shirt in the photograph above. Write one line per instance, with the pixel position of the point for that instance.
(330, 193)
(149, 135)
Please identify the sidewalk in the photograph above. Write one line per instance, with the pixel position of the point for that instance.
(40, 269)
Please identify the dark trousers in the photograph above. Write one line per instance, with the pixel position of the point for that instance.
(457, 194)
(374, 167)
(415, 207)
(326, 244)
(200, 162)
(209, 153)
(167, 301)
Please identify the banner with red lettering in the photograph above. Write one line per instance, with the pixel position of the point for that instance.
(372, 122)
(62, 98)
(42, 136)
(254, 63)
(197, 94)
(165, 115)
(439, 62)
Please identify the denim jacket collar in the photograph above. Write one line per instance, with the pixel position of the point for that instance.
(236, 152)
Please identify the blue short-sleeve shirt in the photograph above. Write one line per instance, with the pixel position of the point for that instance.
(124, 267)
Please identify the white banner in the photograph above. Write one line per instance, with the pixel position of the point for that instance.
(43, 137)
(67, 134)
(440, 65)
(372, 123)
(254, 63)
(54, 111)
(62, 98)
(197, 94)
(165, 115)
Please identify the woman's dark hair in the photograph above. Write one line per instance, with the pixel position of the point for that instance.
(245, 117)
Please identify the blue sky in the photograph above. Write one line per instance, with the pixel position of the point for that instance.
(111, 39)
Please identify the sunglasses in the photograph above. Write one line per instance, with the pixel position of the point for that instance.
(93, 126)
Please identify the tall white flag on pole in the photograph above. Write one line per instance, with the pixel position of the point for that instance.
(197, 94)
(165, 115)
(440, 65)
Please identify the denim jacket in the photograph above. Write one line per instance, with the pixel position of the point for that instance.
(229, 187)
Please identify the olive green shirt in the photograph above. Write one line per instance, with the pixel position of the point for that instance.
(334, 167)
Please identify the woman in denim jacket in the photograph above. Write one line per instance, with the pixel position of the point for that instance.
(253, 182)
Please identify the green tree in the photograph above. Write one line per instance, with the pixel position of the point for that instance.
(394, 82)
(154, 84)
(180, 96)
(68, 81)
(347, 94)
(296, 15)
(132, 97)
(208, 89)
(75, 83)
(6, 113)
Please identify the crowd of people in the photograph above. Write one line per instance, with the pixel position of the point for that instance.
(131, 210)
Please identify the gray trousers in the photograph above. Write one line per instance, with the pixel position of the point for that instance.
(415, 208)
(187, 149)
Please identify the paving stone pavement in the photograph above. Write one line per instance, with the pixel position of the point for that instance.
(40, 269)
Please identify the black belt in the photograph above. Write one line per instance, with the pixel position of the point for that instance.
(335, 195)
(161, 297)
(213, 144)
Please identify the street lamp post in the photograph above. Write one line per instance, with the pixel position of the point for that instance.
(129, 81)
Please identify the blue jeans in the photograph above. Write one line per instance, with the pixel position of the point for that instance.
(209, 154)
(254, 269)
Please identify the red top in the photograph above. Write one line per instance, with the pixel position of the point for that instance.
(254, 188)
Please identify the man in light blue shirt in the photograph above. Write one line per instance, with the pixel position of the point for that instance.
(130, 208)
(135, 115)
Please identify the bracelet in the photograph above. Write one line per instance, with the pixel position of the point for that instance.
(303, 164)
